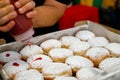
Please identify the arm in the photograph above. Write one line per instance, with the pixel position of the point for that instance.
(7, 13)
(49, 13)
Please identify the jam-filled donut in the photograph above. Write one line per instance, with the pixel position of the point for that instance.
(7, 56)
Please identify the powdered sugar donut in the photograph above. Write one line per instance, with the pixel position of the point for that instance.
(78, 62)
(52, 70)
(15, 66)
(29, 50)
(60, 54)
(28, 75)
(7, 56)
(98, 41)
(38, 61)
(88, 73)
(79, 48)
(97, 54)
(50, 44)
(84, 35)
(65, 78)
(114, 48)
(109, 63)
(66, 41)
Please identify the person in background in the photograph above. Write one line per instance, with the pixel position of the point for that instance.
(44, 14)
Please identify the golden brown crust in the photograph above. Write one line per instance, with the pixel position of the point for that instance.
(97, 60)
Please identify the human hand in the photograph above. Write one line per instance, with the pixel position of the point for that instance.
(7, 13)
(26, 6)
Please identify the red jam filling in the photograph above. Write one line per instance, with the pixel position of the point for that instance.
(29, 43)
(15, 64)
(38, 59)
(7, 55)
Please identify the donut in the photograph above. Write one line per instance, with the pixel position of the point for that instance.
(55, 69)
(49, 44)
(66, 41)
(79, 48)
(88, 73)
(114, 49)
(78, 62)
(97, 54)
(60, 54)
(98, 41)
(84, 35)
(7, 56)
(28, 75)
(109, 63)
(15, 66)
(38, 61)
(29, 50)
(65, 78)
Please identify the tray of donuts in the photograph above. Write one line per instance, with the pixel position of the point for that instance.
(85, 52)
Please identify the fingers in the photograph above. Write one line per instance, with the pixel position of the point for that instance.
(6, 13)
(5, 10)
(25, 5)
(7, 27)
(22, 2)
(8, 17)
(4, 3)
(29, 6)
(31, 14)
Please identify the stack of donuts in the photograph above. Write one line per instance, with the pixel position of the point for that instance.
(82, 56)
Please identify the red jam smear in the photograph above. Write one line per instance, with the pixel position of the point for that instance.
(7, 55)
(15, 64)
(38, 59)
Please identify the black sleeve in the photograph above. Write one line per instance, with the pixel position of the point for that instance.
(39, 2)
(64, 1)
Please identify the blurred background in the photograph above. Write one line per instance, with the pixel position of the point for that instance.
(105, 12)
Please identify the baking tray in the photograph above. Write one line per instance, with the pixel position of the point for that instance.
(98, 29)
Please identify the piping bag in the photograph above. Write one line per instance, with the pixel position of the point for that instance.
(23, 29)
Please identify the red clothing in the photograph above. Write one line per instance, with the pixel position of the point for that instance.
(77, 13)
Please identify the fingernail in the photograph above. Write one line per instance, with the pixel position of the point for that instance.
(17, 4)
(7, 1)
(14, 14)
(11, 7)
(21, 10)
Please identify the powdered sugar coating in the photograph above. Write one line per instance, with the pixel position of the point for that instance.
(78, 62)
(28, 75)
(79, 47)
(97, 52)
(29, 50)
(109, 63)
(66, 41)
(50, 44)
(60, 54)
(84, 35)
(65, 78)
(98, 41)
(114, 48)
(15, 66)
(38, 61)
(7, 56)
(56, 69)
(88, 73)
